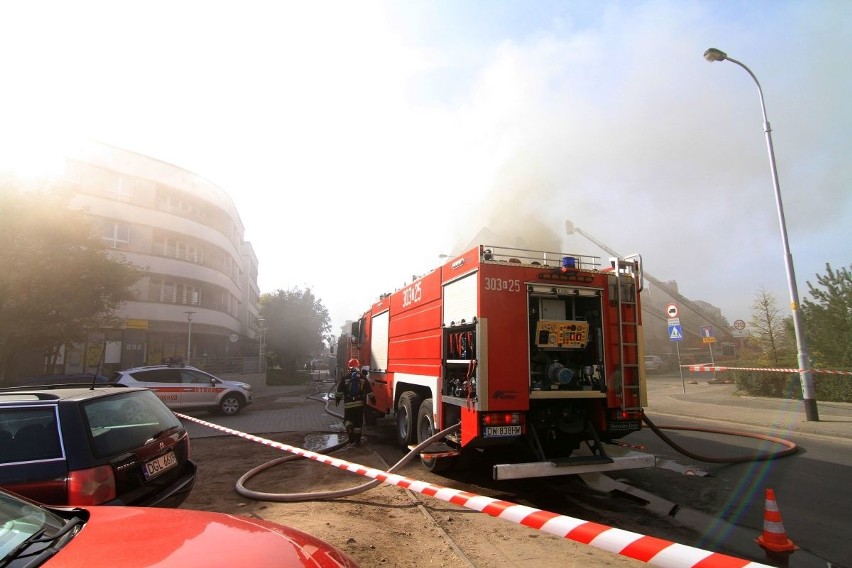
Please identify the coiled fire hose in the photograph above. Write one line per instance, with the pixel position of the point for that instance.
(321, 495)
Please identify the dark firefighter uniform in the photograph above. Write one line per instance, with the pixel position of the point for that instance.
(353, 389)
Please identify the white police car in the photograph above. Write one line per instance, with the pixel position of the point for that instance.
(188, 388)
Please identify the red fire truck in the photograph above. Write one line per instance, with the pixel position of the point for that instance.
(535, 350)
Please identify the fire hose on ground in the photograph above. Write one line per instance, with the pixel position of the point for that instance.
(790, 448)
(322, 495)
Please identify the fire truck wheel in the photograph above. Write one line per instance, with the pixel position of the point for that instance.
(425, 429)
(406, 413)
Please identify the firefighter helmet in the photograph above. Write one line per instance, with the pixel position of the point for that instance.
(354, 363)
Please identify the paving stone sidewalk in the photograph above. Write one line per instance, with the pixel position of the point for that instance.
(707, 400)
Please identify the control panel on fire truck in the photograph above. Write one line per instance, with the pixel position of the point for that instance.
(562, 334)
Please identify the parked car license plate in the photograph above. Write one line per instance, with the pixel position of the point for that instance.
(494, 431)
(159, 465)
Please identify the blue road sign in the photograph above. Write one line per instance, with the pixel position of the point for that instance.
(675, 332)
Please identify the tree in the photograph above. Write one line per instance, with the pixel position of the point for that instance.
(770, 333)
(828, 318)
(296, 325)
(58, 279)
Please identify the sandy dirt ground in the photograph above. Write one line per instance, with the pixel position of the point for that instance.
(383, 526)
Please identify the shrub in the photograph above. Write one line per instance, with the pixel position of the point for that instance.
(829, 388)
(833, 388)
(768, 384)
(283, 377)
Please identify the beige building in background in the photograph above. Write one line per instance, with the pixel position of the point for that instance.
(199, 295)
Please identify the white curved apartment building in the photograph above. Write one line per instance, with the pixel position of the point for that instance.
(199, 292)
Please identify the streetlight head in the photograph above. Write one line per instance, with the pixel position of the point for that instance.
(714, 54)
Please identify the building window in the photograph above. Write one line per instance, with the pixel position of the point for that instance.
(119, 187)
(183, 251)
(191, 296)
(116, 235)
(172, 292)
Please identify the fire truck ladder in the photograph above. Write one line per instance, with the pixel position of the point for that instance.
(628, 285)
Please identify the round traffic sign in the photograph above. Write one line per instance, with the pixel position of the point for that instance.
(739, 324)
(671, 310)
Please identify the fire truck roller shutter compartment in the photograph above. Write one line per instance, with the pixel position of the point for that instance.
(460, 300)
(379, 342)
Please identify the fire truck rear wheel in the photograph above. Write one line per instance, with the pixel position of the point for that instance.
(406, 415)
(425, 430)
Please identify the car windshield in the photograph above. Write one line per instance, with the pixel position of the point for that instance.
(20, 521)
(126, 421)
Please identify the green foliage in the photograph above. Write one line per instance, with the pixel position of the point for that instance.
(58, 279)
(296, 324)
(827, 388)
(827, 317)
(834, 388)
(282, 377)
(768, 384)
(771, 334)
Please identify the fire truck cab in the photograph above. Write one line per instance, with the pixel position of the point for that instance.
(537, 351)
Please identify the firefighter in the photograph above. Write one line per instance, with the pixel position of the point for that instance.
(353, 389)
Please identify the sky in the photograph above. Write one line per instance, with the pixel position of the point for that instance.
(362, 140)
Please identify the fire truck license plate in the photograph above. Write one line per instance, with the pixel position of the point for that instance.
(632, 425)
(159, 465)
(494, 431)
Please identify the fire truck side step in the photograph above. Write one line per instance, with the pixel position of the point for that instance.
(581, 460)
(621, 459)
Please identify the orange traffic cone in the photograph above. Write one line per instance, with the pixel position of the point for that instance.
(774, 539)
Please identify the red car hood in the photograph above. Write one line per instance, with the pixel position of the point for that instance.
(146, 537)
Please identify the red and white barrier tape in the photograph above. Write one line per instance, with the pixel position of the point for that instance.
(701, 368)
(652, 550)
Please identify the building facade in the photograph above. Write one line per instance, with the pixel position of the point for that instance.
(197, 300)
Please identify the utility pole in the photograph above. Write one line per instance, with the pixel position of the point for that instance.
(189, 337)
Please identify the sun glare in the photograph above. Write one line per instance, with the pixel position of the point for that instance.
(34, 158)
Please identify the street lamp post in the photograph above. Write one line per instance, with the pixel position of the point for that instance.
(261, 322)
(189, 337)
(805, 374)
